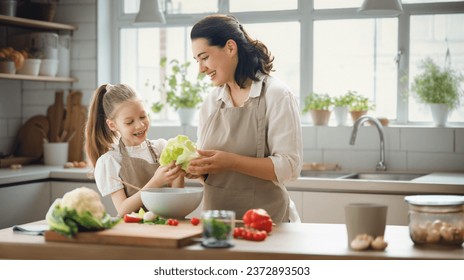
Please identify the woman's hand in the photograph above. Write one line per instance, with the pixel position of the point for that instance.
(165, 175)
(210, 162)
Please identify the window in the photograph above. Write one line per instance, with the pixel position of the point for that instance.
(319, 46)
(357, 55)
(433, 35)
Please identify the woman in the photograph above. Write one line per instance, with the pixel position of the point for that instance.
(249, 133)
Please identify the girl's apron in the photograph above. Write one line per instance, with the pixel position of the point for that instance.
(242, 130)
(136, 171)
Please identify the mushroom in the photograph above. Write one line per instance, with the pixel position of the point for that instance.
(379, 244)
(361, 242)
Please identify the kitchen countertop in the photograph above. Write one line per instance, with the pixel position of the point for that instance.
(287, 241)
(433, 183)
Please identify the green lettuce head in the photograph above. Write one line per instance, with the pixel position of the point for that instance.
(179, 149)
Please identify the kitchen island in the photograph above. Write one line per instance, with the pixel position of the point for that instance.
(287, 241)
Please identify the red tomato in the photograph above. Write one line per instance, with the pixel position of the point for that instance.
(194, 221)
(132, 218)
(174, 222)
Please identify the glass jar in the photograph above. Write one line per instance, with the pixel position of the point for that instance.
(218, 226)
(436, 219)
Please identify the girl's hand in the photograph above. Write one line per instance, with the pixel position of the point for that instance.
(164, 175)
(210, 162)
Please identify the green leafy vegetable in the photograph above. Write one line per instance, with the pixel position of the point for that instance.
(216, 229)
(79, 210)
(179, 149)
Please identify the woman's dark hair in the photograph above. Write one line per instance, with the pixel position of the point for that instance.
(253, 55)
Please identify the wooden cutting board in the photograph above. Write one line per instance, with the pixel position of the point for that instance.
(29, 141)
(161, 236)
(55, 115)
(74, 125)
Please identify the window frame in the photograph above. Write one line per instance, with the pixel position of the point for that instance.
(306, 15)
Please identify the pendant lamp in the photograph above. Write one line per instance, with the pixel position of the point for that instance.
(150, 12)
(381, 7)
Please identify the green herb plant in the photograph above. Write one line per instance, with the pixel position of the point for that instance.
(438, 85)
(217, 229)
(360, 102)
(344, 100)
(316, 101)
(157, 107)
(181, 92)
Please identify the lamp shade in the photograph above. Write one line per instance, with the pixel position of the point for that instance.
(381, 7)
(150, 12)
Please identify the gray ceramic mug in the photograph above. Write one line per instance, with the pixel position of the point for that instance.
(365, 218)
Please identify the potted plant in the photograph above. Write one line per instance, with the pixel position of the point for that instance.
(319, 107)
(182, 94)
(359, 105)
(342, 106)
(438, 87)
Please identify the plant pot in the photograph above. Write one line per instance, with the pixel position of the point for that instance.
(439, 114)
(7, 67)
(320, 117)
(187, 115)
(355, 115)
(341, 113)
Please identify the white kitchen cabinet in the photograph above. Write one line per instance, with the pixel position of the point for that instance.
(328, 207)
(24, 203)
(59, 188)
(297, 198)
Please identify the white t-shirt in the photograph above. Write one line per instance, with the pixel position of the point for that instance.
(109, 164)
(284, 136)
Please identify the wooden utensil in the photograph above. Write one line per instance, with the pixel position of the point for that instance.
(127, 184)
(55, 115)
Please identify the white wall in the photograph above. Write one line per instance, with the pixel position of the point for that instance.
(412, 148)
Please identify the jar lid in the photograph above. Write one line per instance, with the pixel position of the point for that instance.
(435, 200)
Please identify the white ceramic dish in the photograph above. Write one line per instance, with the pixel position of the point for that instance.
(172, 202)
(48, 67)
(31, 67)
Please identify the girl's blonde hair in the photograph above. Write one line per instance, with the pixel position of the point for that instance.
(98, 136)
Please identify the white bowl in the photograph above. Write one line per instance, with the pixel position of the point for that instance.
(48, 67)
(172, 202)
(31, 67)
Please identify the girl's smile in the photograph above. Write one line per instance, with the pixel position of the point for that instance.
(131, 122)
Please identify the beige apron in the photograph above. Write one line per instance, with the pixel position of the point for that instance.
(241, 130)
(136, 171)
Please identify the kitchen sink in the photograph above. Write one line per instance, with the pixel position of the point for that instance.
(383, 176)
(373, 176)
(323, 174)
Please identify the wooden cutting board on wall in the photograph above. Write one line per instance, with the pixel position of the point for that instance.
(74, 125)
(29, 141)
(55, 115)
(132, 234)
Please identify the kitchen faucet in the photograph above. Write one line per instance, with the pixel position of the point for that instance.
(381, 166)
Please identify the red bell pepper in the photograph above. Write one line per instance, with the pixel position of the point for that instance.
(132, 218)
(258, 219)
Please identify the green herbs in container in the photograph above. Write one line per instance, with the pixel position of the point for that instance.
(218, 226)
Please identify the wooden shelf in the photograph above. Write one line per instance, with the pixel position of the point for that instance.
(37, 78)
(31, 23)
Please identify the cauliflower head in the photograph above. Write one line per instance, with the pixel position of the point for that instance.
(84, 199)
(79, 209)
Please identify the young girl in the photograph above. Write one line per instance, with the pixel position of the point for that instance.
(117, 146)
